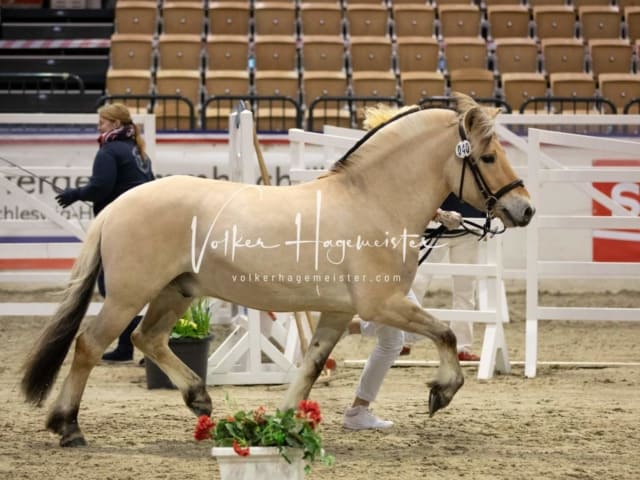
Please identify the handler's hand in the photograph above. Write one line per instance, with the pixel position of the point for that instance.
(450, 219)
(67, 197)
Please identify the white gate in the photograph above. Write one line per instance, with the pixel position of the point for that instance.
(544, 170)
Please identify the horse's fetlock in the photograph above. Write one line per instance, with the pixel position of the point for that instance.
(448, 338)
(55, 423)
(63, 423)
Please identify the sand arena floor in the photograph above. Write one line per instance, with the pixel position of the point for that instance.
(567, 423)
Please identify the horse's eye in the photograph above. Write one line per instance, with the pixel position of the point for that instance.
(488, 158)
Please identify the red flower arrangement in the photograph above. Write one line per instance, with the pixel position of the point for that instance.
(288, 429)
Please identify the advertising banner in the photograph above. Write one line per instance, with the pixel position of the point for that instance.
(617, 245)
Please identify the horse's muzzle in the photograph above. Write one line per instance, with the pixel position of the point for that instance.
(518, 215)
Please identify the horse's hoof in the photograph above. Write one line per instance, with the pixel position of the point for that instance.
(437, 399)
(204, 409)
(74, 441)
(199, 401)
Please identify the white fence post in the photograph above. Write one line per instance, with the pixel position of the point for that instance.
(531, 326)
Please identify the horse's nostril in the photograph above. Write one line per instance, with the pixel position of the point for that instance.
(528, 213)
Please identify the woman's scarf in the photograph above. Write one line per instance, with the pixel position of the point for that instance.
(126, 132)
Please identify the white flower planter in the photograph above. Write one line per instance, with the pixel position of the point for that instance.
(262, 463)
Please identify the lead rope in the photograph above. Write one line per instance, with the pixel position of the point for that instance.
(431, 236)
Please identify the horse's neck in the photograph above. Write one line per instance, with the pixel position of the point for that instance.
(404, 169)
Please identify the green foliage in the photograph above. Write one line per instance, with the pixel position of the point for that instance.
(196, 321)
(288, 429)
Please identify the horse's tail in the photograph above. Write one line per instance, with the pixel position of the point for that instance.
(43, 363)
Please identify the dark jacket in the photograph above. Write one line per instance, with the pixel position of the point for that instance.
(453, 203)
(118, 167)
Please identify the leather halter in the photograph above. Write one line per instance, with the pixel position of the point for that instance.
(463, 151)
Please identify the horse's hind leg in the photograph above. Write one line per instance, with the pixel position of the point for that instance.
(90, 345)
(152, 336)
(328, 332)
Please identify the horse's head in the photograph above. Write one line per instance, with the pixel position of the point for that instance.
(486, 179)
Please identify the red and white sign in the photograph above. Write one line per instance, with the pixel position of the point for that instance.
(617, 245)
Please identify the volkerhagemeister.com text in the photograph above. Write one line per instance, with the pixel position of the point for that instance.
(314, 278)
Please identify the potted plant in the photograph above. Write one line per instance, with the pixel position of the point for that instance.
(189, 340)
(261, 446)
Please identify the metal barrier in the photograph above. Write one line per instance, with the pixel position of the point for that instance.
(569, 105)
(167, 109)
(272, 113)
(39, 92)
(450, 102)
(41, 82)
(343, 111)
(632, 106)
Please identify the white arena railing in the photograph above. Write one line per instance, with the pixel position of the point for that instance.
(544, 170)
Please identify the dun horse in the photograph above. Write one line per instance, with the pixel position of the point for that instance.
(346, 243)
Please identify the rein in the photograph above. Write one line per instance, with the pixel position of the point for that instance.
(431, 236)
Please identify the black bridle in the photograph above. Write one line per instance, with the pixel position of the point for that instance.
(463, 151)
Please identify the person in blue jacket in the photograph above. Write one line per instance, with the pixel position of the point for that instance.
(120, 165)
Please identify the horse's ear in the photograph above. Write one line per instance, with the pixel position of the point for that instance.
(472, 118)
(478, 123)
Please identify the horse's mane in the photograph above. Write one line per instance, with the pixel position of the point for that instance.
(385, 116)
(381, 115)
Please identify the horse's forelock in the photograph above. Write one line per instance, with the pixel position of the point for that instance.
(479, 122)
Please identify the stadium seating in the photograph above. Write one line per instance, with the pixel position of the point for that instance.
(407, 50)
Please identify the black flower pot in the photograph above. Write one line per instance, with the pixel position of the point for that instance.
(194, 352)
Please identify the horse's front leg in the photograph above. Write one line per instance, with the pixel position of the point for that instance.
(328, 332)
(401, 313)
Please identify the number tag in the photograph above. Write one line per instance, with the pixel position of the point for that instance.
(463, 149)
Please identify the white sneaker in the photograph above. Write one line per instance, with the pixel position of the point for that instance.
(361, 418)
